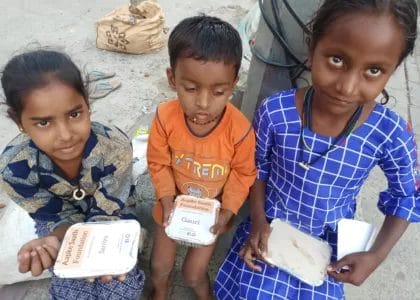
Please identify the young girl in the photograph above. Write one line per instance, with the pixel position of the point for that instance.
(199, 143)
(317, 145)
(63, 169)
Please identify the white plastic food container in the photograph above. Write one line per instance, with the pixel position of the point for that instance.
(298, 253)
(98, 248)
(191, 220)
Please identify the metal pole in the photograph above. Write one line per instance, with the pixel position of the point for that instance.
(265, 79)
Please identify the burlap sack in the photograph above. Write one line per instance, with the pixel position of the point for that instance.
(132, 29)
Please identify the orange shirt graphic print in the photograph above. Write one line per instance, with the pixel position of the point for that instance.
(199, 176)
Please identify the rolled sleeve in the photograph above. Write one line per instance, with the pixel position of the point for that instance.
(401, 198)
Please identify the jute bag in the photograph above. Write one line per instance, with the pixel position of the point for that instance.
(132, 29)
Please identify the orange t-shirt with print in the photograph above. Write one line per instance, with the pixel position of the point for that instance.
(219, 165)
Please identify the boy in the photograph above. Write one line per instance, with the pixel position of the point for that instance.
(199, 143)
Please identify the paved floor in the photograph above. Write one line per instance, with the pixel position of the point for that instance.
(144, 85)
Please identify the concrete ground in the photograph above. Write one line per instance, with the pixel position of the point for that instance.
(70, 26)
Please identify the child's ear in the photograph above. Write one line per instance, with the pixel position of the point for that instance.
(308, 63)
(236, 80)
(310, 53)
(171, 78)
(13, 115)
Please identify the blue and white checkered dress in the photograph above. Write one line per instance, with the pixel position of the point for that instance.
(315, 200)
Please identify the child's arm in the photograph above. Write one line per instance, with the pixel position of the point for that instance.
(159, 166)
(400, 203)
(240, 179)
(260, 227)
(362, 264)
(256, 246)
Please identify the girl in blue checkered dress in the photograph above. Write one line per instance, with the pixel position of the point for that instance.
(64, 169)
(316, 146)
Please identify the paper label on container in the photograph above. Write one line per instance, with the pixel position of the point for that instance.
(192, 219)
(101, 248)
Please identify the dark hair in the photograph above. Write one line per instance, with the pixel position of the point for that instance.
(404, 11)
(205, 38)
(36, 69)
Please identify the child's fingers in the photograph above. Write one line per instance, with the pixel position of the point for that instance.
(344, 276)
(28, 247)
(165, 217)
(36, 266)
(262, 247)
(44, 257)
(250, 260)
(52, 251)
(338, 265)
(254, 242)
(165, 220)
(215, 228)
(122, 277)
(24, 261)
(53, 242)
(106, 278)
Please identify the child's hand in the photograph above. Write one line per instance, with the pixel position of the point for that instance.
(256, 245)
(107, 278)
(38, 255)
(358, 267)
(167, 206)
(2, 205)
(222, 219)
(258, 238)
(249, 256)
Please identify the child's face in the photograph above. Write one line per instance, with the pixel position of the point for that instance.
(353, 60)
(57, 119)
(203, 88)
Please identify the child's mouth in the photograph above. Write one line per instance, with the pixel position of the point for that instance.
(68, 150)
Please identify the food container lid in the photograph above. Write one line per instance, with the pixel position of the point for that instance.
(298, 253)
(98, 248)
(191, 220)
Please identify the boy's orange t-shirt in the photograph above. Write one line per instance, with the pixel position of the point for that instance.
(219, 165)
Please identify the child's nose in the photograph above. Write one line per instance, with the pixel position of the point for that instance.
(63, 132)
(347, 83)
(203, 100)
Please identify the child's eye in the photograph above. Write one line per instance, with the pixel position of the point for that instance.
(190, 89)
(373, 72)
(336, 61)
(219, 93)
(75, 114)
(43, 123)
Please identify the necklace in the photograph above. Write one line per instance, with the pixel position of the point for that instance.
(79, 193)
(307, 122)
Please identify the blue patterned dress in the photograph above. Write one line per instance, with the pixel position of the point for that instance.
(315, 200)
(31, 179)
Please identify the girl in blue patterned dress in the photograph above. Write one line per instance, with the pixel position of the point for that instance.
(63, 169)
(317, 145)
